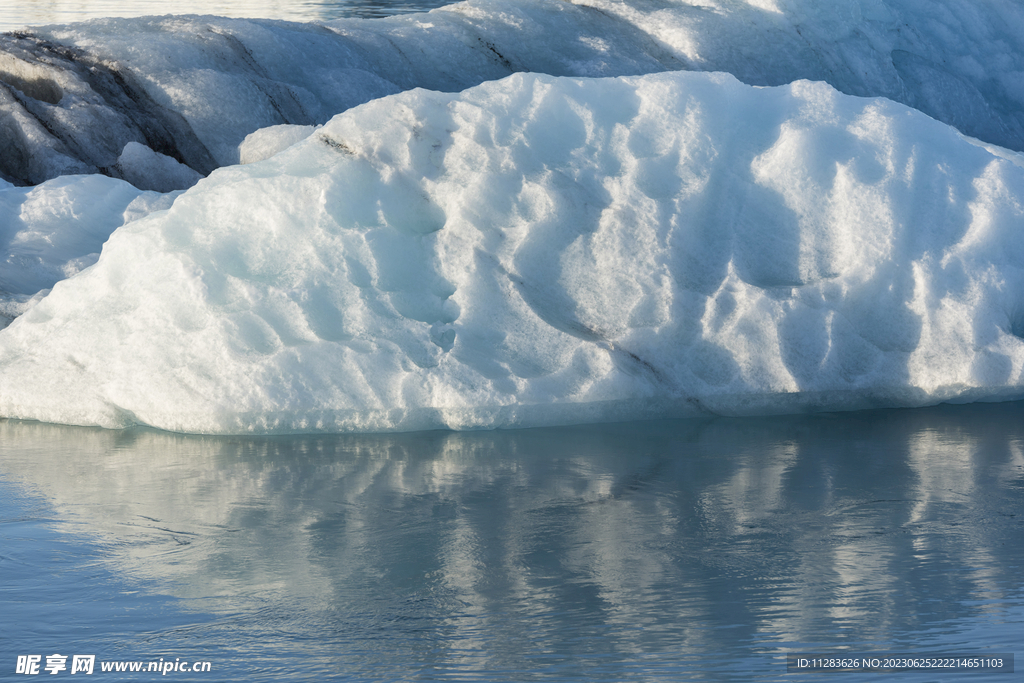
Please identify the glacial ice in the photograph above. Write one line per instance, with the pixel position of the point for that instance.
(540, 250)
(192, 88)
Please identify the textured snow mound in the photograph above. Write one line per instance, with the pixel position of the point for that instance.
(542, 250)
(192, 88)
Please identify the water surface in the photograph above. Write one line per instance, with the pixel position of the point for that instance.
(678, 550)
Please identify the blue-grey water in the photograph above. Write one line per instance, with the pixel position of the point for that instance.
(656, 551)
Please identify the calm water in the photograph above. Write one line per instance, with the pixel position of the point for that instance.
(662, 551)
(17, 14)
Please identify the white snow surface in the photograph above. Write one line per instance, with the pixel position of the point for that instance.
(543, 250)
(72, 97)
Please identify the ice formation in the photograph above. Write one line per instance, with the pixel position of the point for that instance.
(539, 250)
(192, 88)
(606, 234)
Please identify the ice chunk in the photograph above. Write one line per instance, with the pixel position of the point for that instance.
(266, 142)
(540, 250)
(149, 170)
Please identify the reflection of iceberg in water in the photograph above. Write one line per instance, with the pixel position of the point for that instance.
(664, 541)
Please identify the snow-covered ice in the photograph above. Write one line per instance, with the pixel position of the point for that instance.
(512, 213)
(539, 250)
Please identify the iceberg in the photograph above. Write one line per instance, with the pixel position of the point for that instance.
(540, 250)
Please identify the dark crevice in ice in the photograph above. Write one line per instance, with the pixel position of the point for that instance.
(339, 145)
(501, 58)
(42, 89)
